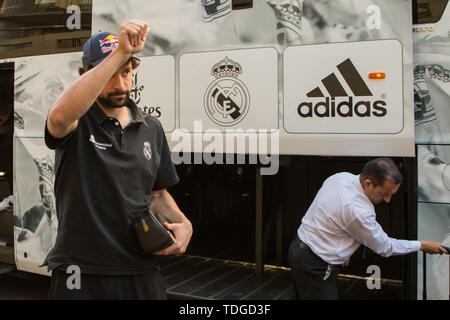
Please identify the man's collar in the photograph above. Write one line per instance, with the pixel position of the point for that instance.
(100, 116)
(137, 115)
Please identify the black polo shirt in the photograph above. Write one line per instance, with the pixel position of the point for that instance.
(104, 175)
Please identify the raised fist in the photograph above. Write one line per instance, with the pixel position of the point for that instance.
(132, 36)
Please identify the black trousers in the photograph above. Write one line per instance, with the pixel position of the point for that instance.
(314, 279)
(147, 286)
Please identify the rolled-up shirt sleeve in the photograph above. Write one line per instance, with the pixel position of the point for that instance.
(54, 143)
(366, 230)
(167, 174)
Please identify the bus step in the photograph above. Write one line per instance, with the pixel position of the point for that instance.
(203, 278)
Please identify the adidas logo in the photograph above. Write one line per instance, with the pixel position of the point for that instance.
(336, 105)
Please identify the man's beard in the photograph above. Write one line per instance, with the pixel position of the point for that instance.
(111, 102)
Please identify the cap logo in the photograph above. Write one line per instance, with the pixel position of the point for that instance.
(112, 41)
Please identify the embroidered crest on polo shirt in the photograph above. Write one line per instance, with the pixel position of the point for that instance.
(101, 146)
(147, 150)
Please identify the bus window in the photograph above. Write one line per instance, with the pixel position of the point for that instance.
(29, 28)
(428, 11)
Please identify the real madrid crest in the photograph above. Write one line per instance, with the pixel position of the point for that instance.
(147, 150)
(227, 99)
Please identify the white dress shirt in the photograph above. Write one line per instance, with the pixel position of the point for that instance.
(341, 218)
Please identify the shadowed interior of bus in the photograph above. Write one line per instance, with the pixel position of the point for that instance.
(220, 200)
(6, 164)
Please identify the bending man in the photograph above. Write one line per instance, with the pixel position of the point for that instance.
(339, 220)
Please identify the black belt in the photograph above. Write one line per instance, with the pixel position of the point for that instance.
(302, 245)
(330, 268)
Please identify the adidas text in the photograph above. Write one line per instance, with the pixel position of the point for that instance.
(345, 109)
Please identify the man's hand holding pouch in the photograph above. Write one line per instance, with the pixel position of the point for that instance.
(151, 233)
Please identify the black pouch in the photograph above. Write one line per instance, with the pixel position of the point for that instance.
(151, 233)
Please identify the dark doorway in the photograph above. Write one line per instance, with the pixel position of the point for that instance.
(6, 165)
(6, 128)
(220, 202)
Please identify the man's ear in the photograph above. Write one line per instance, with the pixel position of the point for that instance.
(367, 183)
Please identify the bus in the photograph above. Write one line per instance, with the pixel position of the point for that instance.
(260, 101)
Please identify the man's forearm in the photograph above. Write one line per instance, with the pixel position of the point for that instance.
(164, 204)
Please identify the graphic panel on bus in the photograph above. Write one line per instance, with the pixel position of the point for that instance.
(38, 82)
(35, 220)
(434, 173)
(434, 224)
(229, 89)
(357, 89)
(180, 27)
(432, 133)
(432, 81)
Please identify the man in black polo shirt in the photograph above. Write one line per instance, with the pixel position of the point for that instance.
(111, 162)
